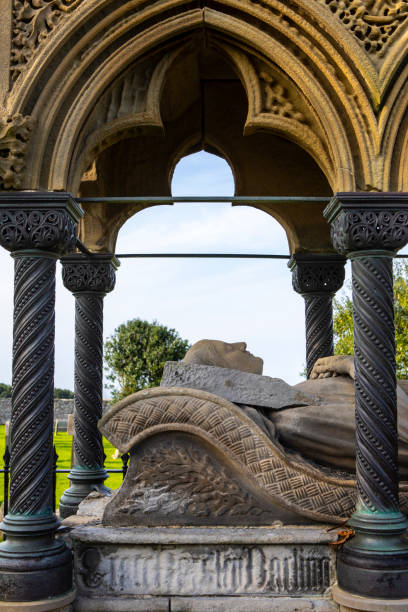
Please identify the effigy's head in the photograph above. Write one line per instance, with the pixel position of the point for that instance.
(231, 355)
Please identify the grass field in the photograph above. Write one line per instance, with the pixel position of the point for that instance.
(63, 444)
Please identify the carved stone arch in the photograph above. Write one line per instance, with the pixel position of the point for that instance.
(119, 114)
(275, 104)
(393, 129)
(306, 29)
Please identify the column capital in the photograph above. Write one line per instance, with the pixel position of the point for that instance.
(314, 273)
(364, 221)
(35, 220)
(89, 273)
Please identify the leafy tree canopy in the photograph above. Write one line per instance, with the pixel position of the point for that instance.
(5, 390)
(136, 354)
(343, 321)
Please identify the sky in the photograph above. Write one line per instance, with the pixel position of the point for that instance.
(230, 300)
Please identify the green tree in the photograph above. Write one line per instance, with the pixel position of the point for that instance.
(5, 390)
(136, 353)
(63, 394)
(343, 320)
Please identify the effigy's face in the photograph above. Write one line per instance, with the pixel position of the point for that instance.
(238, 358)
(231, 355)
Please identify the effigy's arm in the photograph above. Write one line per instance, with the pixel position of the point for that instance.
(335, 365)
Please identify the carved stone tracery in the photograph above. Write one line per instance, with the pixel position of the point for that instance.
(277, 100)
(373, 22)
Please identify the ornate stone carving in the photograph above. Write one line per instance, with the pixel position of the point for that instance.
(373, 22)
(287, 482)
(33, 20)
(177, 476)
(128, 95)
(277, 100)
(90, 276)
(44, 229)
(15, 133)
(354, 230)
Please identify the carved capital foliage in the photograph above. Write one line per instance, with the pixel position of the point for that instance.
(33, 21)
(368, 221)
(369, 229)
(373, 23)
(89, 274)
(317, 273)
(45, 229)
(15, 132)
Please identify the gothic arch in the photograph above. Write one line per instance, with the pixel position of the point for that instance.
(93, 45)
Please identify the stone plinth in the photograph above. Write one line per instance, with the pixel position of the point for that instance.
(165, 568)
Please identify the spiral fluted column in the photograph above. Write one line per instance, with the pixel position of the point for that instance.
(369, 228)
(89, 278)
(37, 228)
(317, 277)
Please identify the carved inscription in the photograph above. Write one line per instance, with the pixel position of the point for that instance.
(372, 22)
(205, 570)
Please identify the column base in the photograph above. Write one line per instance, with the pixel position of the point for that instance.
(356, 603)
(58, 604)
(83, 482)
(374, 563)
(33, 565)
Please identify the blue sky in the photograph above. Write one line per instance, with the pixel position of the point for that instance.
(231, 300)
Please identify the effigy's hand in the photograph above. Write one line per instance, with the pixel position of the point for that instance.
(336, 365)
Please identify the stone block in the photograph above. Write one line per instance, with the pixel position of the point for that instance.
(192, 564)
(234, 385)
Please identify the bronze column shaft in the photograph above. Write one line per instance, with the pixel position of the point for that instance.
(89, 278)
(369, 228)
(37, 228)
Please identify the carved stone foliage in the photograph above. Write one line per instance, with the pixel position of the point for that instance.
(94, 276)
(33, 20)
(178, 477)
(277, 100)
(373, 22)
(15, 134)
(44, 229)
(370, 229)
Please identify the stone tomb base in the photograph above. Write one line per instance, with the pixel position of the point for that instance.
(250, 569)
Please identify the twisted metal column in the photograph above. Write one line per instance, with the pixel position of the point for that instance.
(36, 228)
(89, 278)
(376, 401)
(319, 328)
(317, 277)
(33, 385)
(369, 228)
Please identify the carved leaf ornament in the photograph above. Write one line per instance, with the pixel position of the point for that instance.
(14, 136)
(33, 20)
(372, 22)
(185, 480)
